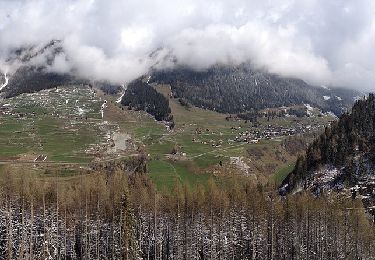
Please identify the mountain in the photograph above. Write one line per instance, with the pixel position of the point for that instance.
(33, 70)
(342, 158)
(226, 89)
(236, 89)
(28, 79)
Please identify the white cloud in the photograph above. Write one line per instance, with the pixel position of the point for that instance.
(322, 41)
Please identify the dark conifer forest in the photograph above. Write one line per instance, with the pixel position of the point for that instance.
(347, 143)
(141, 96)
(236, 89)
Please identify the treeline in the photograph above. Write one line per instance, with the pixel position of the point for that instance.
(141, 96)
(240, 89)
(107, 87)
(347, 144)
(121, 215)
(29, 79)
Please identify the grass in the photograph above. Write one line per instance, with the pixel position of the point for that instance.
(282, 173)
(63, 136)
(165, 174)
(50, 126)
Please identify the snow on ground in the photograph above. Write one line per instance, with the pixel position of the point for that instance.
(326, 175)
(6, 82)
(123, 93)
(81, 111)
(326, 98)
(338, 98)
(120, 98)
(324, 86)
(331, 114)
(102, 108)
(309, 107)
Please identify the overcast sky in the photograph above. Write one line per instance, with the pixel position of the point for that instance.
(328, 42)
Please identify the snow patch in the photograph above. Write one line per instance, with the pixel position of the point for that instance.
(148, 79)
(102, 108)
(326, 175)
(309, 107)
(331, 114)
(326, 98)
(81, 111)
(122, 95)
(5, 83)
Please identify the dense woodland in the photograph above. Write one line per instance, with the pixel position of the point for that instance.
(347, 143)
(119, 214)
(29, 79)
(141, 96)
(108, 88)
(240, 89)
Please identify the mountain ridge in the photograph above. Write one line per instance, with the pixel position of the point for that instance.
(241, 88)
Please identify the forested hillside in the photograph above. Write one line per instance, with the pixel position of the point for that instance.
(28, 79)
(120, 215)
(343, 156)
(240, 89)
(141, 96)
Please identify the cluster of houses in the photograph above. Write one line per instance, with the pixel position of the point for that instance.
(270, 132)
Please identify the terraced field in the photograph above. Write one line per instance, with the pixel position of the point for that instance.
(62, 125)
(76, 125)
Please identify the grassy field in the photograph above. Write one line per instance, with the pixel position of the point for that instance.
(64, 123)
(165, 174)
(281, 174)
(60, 124)
(203, 139)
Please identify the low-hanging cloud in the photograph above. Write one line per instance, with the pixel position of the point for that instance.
(321, 41)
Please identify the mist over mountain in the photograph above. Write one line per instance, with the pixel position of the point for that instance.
(321, 42)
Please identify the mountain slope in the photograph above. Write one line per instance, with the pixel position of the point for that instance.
(33, 70)
(342, 157)
(226, 89)
(239, 89)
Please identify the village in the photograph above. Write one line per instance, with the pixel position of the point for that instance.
(270, 132)
(253, 135)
